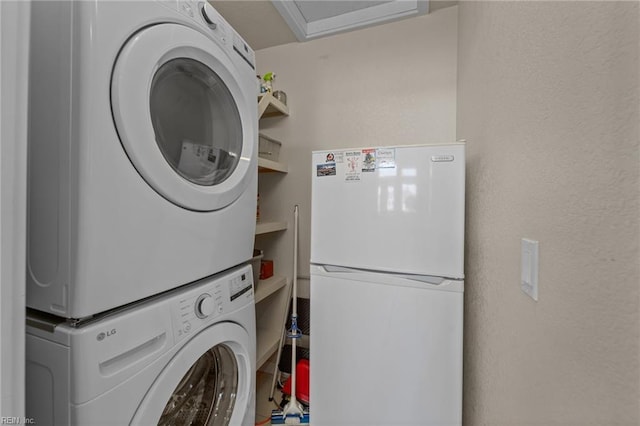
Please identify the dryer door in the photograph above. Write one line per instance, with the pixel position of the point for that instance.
(210, 381)
(183, 116)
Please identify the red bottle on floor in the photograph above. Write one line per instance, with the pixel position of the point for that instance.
(302, 386)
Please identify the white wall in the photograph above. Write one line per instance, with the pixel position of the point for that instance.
(14, 41)
(386, 85)
(548, 99)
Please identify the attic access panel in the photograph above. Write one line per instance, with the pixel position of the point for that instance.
(309, 19)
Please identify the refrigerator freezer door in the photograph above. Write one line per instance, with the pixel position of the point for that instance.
(395, 209)
(384, 354)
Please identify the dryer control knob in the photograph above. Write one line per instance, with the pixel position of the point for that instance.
(209, 15)
(205, 306)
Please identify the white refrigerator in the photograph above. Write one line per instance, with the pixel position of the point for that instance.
(387, 255)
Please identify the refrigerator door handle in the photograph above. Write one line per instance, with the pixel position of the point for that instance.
(428, 279)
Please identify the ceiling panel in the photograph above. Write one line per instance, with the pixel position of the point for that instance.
(309, 19)
(314, 10)
(262, 26)
(258, 22)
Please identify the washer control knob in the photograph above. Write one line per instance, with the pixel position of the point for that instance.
(209, 15)
(205, 306)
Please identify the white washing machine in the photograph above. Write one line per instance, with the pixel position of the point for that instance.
(183, 358)
(142, 151)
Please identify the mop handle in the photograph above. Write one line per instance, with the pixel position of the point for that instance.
(294, 307)
(295, 261)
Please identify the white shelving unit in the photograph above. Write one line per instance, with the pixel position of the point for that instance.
(269, 286)
(268, 106)
(268, 227)
(272, 294)
(268, 166)
(268, 340)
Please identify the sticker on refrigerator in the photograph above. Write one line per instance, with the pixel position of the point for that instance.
(328, 169)
(368, 160)
(354, 167)
(386, 158)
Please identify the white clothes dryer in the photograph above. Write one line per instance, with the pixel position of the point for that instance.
(142, 151)
(186, 357)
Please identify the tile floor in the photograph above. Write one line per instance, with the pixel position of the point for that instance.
(263, 405)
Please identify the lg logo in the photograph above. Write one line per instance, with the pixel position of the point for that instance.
(104, 335)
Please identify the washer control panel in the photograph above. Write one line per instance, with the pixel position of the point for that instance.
(210, 298)
(205, 305)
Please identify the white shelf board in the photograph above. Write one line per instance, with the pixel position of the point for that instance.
(266, 288)
(267, 345)
(266, 166)
(267, 227)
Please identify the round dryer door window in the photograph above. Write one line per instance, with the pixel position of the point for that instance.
(186, 116)
(196, 121)
(209, 381)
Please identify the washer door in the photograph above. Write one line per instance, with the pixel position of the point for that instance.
(182, 117)
(208, 382)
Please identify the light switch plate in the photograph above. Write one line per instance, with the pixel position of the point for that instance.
(529, 268)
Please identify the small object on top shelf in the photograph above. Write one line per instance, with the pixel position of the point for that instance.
(267, 85)
(281, 96)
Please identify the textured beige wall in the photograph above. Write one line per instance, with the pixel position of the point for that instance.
(392, 84)
(548, 96)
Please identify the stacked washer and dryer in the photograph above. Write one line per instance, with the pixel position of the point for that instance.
(142, 192)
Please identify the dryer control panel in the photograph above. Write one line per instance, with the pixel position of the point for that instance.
(211, 298)
(208, 17)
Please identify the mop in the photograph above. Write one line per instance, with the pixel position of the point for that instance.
(293, 413)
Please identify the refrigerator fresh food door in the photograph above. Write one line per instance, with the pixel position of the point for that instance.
(385, 351)
(395, 209)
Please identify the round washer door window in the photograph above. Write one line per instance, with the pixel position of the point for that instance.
(209, 381)
(206, 395)
(182, 116)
